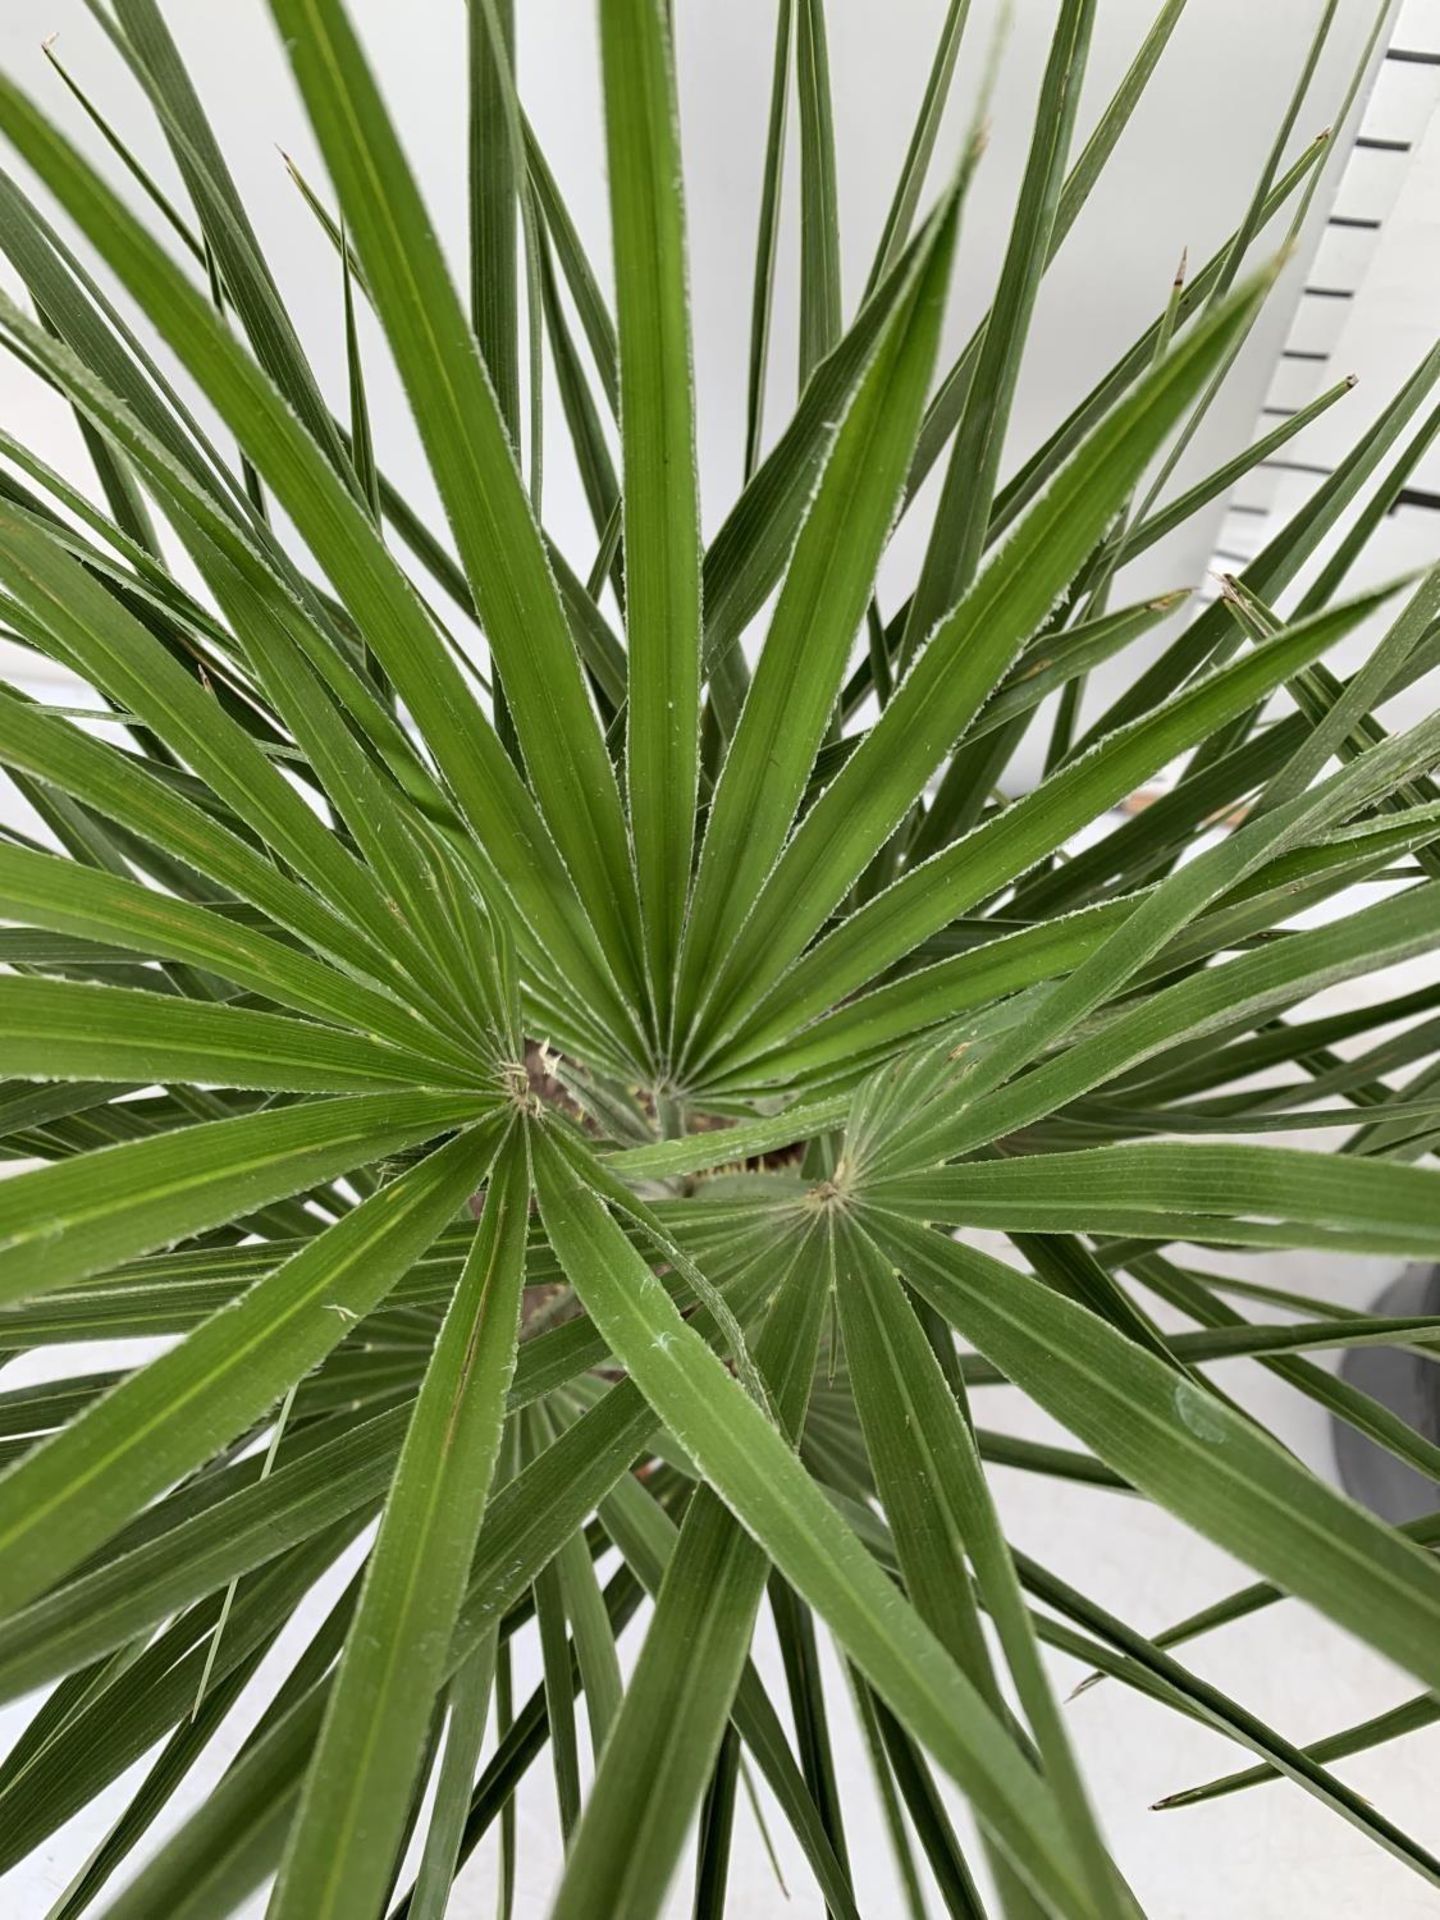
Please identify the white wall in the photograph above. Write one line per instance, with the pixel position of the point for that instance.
(1180, 179)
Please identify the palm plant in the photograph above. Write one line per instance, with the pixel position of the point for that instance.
(547, 1111)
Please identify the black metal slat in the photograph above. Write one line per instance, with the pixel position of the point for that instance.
(1298, 466)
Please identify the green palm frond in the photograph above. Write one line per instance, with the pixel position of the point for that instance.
(537, 1038)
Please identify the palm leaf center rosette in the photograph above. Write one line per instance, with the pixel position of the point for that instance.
(538, 1049)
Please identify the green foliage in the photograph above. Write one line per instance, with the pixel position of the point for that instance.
(540, 1067)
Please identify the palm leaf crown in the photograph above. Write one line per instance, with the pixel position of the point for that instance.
(547, 1111)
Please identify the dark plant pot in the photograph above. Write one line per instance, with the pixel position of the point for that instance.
(1409, 1385)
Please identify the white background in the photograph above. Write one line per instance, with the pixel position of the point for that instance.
(1180, 180)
